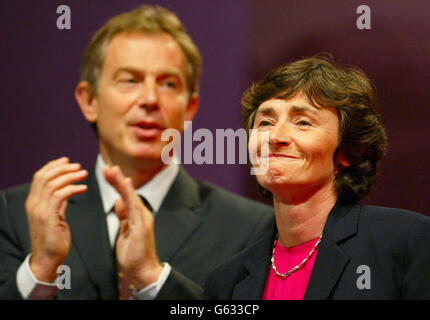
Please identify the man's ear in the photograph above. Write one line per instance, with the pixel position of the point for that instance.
(192, 107)
(87, 101)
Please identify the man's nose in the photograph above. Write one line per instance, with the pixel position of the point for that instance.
(148, 96)
(280, 136)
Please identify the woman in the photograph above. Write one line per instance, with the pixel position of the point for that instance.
(324, 142)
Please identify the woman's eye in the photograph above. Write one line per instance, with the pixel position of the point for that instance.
(303, 123)
(263, 123)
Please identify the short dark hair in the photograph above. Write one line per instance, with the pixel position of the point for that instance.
(362, 137)
(146, 19)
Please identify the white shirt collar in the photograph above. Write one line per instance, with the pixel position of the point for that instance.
(154, 191)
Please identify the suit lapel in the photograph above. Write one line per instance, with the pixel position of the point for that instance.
(329, 264)
(257, 265)
(87, 221)
(331, 260)
(178, 216)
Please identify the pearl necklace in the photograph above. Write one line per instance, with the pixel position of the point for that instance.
(285, 275)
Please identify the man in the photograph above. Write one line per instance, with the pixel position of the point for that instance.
(139, 77)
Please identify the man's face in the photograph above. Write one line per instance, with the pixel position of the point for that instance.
(142, 91)
(302, 142)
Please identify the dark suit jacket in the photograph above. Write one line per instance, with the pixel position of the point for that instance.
(393, 243)
(197, 227)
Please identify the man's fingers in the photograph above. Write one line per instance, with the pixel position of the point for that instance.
(66, 179)
(48, 184)
(120, 209)
(122, 216)
(57, 202)
(65, 193)
(47, 173)
(59, 160)
(124, 228)
(58, 170)
(62, 210)
(132, 203)
(47, 166)
(55, 162)
(113, 175)
(50, 165)
(116, 178)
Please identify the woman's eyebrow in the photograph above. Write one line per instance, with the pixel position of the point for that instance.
(304, 108)
(265, 111)
(269, 111)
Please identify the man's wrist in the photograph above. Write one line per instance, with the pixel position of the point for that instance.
(43, 272)
(151, 291)
(30, 287)
(148, 277)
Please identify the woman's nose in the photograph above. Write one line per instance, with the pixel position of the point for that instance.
(280, 136)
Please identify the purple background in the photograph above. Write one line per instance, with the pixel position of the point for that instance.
(239, 40)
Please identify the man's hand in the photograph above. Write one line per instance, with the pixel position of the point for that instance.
(135, 246)
(46, 205)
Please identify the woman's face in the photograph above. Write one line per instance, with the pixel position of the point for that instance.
(302, 140)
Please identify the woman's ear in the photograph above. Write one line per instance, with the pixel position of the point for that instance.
(87, 101)
(342, 160)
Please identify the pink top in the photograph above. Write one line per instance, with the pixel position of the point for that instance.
(294, 286)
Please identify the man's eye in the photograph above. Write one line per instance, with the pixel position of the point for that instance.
(170, 84)
(128, 80)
